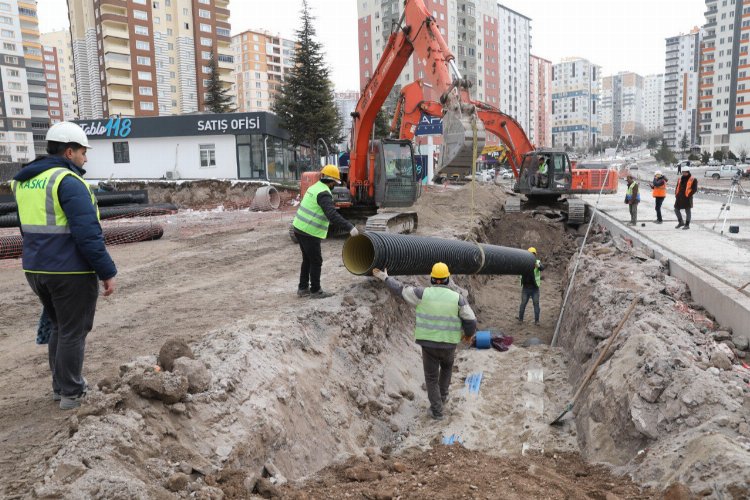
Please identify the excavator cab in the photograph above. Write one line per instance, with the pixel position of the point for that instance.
(545, 172)
(397, 183)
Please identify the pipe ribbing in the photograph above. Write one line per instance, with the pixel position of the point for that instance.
(117, 212)
(412, 255)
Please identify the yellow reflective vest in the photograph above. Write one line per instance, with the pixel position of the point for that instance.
(310, 217)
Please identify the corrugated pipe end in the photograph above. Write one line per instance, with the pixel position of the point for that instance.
(358, 255)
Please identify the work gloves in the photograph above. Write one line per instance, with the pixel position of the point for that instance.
(381, 275)
(354, 231)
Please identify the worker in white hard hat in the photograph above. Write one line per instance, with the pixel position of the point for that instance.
(315, 213)
(64, 256)
(659, 192)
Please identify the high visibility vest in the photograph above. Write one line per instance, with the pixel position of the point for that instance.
(659, 191)
(542, 168)
(688, 188)
(629, 192)
(437, 316)
(48, 246)
(310, 217)
(537, 274)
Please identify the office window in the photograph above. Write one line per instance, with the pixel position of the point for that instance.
(142, 45)
(145, 90)
(144, 75)
(121, 152)
(141, 30)
(207, 155)
(147, 106)
(140, 14)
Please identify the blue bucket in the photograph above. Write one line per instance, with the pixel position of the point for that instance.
(483, 339)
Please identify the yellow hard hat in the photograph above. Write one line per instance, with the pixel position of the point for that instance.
(331, 172)
(440, 271)
(532, 250)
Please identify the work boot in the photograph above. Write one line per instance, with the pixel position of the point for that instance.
(536, 323)
(445, 399)
(686, 226)
(56, 396)
(70, 403)
(437, 416)
(303, 292)
(679, 225)
(520, 320)
(658, 222)
(320, 294)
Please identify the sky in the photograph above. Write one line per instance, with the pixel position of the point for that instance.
(619, 35)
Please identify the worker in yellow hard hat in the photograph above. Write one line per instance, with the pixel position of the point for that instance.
(530, 283)
(443, 318)
(316, 211)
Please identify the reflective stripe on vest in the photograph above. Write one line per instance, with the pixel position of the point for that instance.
(688, 188)
(42, 216)
(659, 191)
(437, 316)
(537, 274)
(629, 192)
(310, 218)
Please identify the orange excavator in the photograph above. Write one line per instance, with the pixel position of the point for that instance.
(561, 178)
(383, 174)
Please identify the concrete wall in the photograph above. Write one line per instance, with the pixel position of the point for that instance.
(151, 158)
(730, 307)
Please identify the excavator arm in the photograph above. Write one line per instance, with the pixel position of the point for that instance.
(418, 34)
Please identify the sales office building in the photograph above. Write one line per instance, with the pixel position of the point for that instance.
(248, 146)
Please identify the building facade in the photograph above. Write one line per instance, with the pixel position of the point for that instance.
(346, 103)
(261, 61)
(575, 94)
(653, 104)
(52, 76)
(514, 52)
(681, 92)
(23, 99)
(540, 97)
(621, 106)
(248, 146)
(148, 57)
(59, 43)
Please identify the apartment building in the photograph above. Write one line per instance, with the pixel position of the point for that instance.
(148, 57)
(261, 61)
(514, 53)
(346, 103)
(540, 98)
(681, 92)
(52, 77)
(724, 102)
(57, 44)
(490, 42)
(621, 106)
(575, 94)
(23, 99)
(653, 104)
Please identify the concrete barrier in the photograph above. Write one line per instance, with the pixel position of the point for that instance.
(730, 307)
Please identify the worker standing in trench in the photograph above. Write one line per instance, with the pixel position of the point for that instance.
(530, 283)
(442, 316)
(63, 253)
(316, 212)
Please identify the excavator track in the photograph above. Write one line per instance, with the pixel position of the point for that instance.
(393, 222)
(576, 211)
(512, 205)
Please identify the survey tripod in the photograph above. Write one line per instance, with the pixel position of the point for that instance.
(727, 205)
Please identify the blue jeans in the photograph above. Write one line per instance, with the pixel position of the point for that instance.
(526, 294)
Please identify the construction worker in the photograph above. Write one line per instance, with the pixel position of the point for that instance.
(541, 173)
(311, 222)
(659, 192)
(530, 283)
(632, 198)
(63, 252)
(686, 187)
(442, 316)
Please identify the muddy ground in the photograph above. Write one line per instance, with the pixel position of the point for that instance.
(291, 386)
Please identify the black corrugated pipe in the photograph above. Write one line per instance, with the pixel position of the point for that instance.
(412, 255)
(121, 212)
(7, 207)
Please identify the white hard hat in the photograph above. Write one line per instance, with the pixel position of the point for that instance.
(658, 172)
(66, 132)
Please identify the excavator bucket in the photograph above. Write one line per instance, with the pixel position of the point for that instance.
(458, 149)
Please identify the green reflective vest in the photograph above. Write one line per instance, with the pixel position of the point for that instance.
(437, 316)
(45, 225)
(629, 192)
(542, 168)
(537, 274)
(310, 217)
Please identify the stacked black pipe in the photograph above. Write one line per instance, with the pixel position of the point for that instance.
(415, 255)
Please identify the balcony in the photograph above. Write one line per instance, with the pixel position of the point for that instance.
(115, 3)
(110, 47)
(120, 108)
(119, 80)
(114, 31)
(117, 61)
(115, 19)
(119, 95)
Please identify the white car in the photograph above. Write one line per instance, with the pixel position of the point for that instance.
(481, 176)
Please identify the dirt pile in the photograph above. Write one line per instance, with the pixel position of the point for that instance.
(671, 403)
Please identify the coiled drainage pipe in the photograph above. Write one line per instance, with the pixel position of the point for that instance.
(117, 212)
(412, 255)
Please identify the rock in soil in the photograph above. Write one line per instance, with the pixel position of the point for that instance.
(172, 349)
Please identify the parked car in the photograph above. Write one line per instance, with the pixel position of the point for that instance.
(481, 176)
(713, 163)
(721, 172)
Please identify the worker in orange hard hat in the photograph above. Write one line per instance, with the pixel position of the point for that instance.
(315, 213)
(443, 318)
(530, 283)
